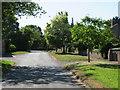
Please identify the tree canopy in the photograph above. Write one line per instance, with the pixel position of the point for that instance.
(10, 26)
(32, 38)
(57, 32)
(93, 33)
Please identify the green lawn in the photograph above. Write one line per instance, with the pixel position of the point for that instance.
(106, 74)
(5, 65)
(20, 52)
(67, 57)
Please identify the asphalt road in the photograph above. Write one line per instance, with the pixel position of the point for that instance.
(38, 70)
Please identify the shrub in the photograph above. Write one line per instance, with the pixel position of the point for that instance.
(12, 47)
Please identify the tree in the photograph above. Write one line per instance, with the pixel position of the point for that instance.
(10, 9)
(32, 38)
(39, 41)
(9, 21)
(84, 35)
(57, 32)
(92, 32)
(108, 38)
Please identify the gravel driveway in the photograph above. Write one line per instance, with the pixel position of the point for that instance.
(38, 70)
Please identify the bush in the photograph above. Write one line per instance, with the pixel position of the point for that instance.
(5, 65)
(12, 47)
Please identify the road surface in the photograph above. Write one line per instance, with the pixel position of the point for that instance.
(38, 70)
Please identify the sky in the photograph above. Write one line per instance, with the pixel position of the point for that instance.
(78, 9)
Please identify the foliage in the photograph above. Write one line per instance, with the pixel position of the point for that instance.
(32, 38)
(93, 33)
(7, 45)
(5, 65)
(104, 73)
(12, 47)
(10, 9)
(71, 48)
(115, 20)
(10, 26)
(57, 32)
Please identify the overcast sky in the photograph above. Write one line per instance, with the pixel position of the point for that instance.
(106, 9)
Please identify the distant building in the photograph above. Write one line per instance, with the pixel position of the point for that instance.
(115, 27)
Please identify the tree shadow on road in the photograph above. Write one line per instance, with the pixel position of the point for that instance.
(37, 75)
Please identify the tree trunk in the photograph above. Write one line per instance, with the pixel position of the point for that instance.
(56, 49)
(106, 55)
(63, 49)
(47, 48)
(88, 55)
(66, 50)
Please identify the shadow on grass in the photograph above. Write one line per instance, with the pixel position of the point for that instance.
(112, 66)
(66, 54)
(36, 75)
(88, 74)
(86, 68)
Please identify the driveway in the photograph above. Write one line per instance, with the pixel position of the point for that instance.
(38, 70)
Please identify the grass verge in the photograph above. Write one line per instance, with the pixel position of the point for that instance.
(96, 74)
(20, 52)
(5, 65)
(67, 57)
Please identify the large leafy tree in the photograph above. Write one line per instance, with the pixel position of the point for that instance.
(57, 32)
(108, 39)
(9, 20)
(92, 32)
(32, 38)
(10, 9)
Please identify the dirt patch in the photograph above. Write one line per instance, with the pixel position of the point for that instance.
(87, 80)
(93, 83)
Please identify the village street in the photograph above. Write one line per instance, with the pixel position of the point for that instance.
(38, 70)
(48, 45)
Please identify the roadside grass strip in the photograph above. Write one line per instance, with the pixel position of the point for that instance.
(68, 57)
(5, 65)
(96, 74)
(19, 52)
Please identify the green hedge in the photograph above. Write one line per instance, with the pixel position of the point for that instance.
(5, 65)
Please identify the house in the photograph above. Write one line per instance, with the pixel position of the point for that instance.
(115, 27)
